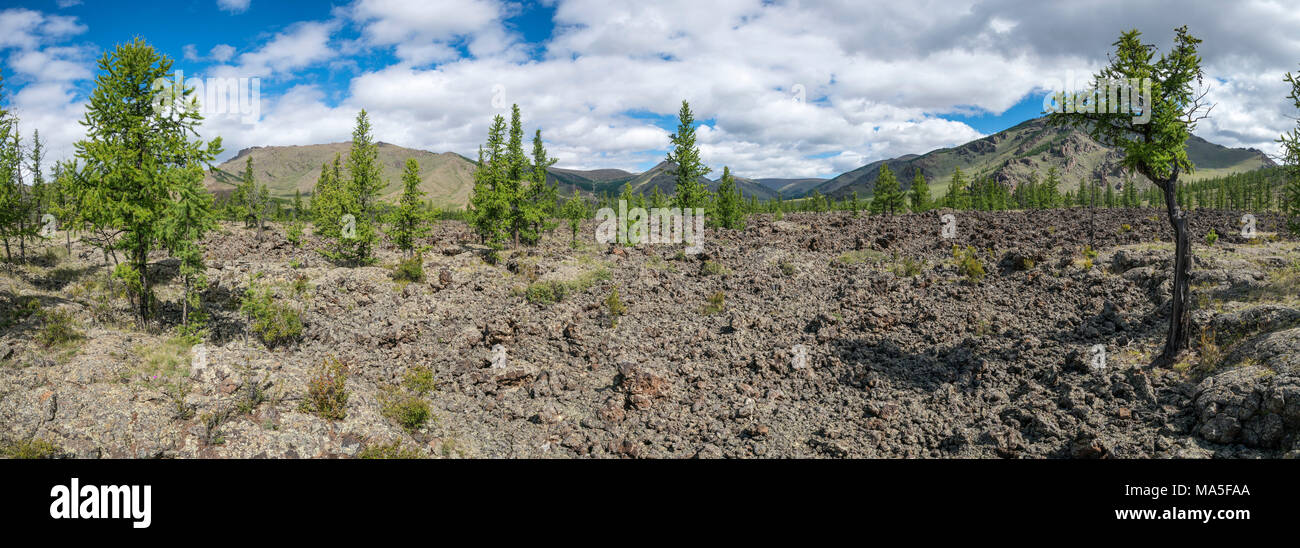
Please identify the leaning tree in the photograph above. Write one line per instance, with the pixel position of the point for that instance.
(1153, 137)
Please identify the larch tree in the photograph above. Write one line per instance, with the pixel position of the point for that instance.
(1155, 147)
(409, 221)
(141, 147)
(887, 196)
(689, 192)
(920, 192)
(728, 211)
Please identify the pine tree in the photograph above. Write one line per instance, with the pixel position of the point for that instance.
(188, 219)
(957, 196)
(540, 197)
(920, 193)
(1051, 190)
(1290, 203)
(727, 211)
(887, 197)
(575, 210)
(685, 155)
(409, 221)
(488, 206)
(137, 157)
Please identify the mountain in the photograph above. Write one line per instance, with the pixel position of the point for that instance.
(1031, 147)
(791, 188)
(446, 178)
(661, 176)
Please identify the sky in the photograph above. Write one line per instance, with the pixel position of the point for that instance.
(781, 88)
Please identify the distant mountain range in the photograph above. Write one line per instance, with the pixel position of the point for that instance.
(1031, 147)
(1009, 156)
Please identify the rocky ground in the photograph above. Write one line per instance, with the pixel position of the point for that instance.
(906, 356)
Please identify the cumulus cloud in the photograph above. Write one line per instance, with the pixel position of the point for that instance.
(787, 88)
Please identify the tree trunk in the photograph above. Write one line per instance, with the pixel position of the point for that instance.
(1177, 337)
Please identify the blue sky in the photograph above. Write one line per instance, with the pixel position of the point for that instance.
(784, 89)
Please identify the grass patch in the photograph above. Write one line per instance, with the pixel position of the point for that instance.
(394, 450)
(861, 256)
(554, 291)
(714, 268)
(968, 263)
(162, 364)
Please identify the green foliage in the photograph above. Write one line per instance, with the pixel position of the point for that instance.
(409, 411)
(968, 263)
(57, 328)
(409, 220)
(273, 321)
(554, 291)
(419, 379)
(689, 192)
(410, 270)
(728, 208)
(327, 394)
(713, 268)
(1290, 204)
(716, 303)
(138, 154)
(392, 450)
(295, 233)
(887, 197)
(575, 210)
(908, 267)
(1211, 237)
(614, 307)
(920, 193)
(34, 448)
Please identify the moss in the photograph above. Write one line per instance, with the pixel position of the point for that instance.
(35, 448)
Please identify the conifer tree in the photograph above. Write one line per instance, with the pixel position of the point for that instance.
(1290, 202)
(920, 192)
(188, 219)
(409, 220)
(489, 206)
(138, 154)
(689, 192)
(727, 211)
(887, 197)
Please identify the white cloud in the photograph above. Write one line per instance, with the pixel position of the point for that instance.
(233, 6)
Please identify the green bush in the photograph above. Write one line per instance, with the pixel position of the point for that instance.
(274, 322)
(411, 412)
(554, 291)
(410, 270)
(419, 379)
(1211, 237)
(713, 268)
(717, 303)
(327, 394)
(614, 307)
(295, 233)
(29, 449)
(57, 328)
(968, 263)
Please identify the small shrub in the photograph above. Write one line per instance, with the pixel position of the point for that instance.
(787, 268)
(717, 303)
(554, 291)
(394, 450)
(411, 412)
(713, 268)
(274, 322)
(327, 394)
(1124, 228)
(1211, 237)
(410, 270)
(35, 448)
(57, 328)
(614, 307)
(908, 267)
(968, 263)
(294, 233)
(419, 379)
(176, 392)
